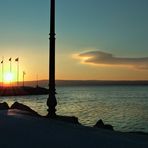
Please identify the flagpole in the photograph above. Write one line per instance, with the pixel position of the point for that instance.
(10, 65)
(17, 60)
(3, 73)
(18, 73)
(37, 81)
(10, 68)
(23, 78)
(2, 62)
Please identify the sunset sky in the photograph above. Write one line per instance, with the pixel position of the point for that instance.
(96, 39)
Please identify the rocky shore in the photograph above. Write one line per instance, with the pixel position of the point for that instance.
(21, 126)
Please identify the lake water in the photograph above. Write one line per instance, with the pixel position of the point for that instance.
(125, 107)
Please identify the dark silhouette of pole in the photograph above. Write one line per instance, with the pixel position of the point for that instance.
(51, 101)
(37, 81)
(2, 62)
(23, 78)
(17, 60)
(10, 65)
(10, 68)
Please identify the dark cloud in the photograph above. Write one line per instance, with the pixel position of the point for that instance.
(99, 57)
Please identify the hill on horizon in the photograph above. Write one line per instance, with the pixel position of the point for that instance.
(44, 83)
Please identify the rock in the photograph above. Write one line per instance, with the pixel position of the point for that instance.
(4, 106)
(109, 127)
(69, 119)
(100, 124)
(23, 107)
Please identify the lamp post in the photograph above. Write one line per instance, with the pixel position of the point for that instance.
(51, 101)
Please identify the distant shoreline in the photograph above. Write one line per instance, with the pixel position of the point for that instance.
(44, 83)
(98, 82)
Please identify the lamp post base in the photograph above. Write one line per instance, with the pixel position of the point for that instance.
(51, 103)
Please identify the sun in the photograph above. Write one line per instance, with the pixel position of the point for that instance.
(8, 77)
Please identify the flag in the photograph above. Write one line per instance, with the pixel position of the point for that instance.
(2, 62)
(17, 59)
(10, 59)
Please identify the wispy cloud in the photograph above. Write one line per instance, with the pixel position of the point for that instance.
(103, 58)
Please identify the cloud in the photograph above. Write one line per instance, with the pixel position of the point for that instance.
(103, 58)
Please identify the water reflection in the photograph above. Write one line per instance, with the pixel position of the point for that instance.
(126, 107)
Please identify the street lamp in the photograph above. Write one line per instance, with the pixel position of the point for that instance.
(51, 101)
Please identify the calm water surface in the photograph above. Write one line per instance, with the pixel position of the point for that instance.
(125, 107)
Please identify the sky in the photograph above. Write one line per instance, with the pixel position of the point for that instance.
(95, 39)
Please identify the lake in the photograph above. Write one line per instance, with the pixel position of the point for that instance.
(125, 107)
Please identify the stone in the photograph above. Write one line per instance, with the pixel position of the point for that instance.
(23, 107)
(4, 106)
(100, 124)
(69, 119)
(109, 127)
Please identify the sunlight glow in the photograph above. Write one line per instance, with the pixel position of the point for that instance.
(8, 77)
(83, 59)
